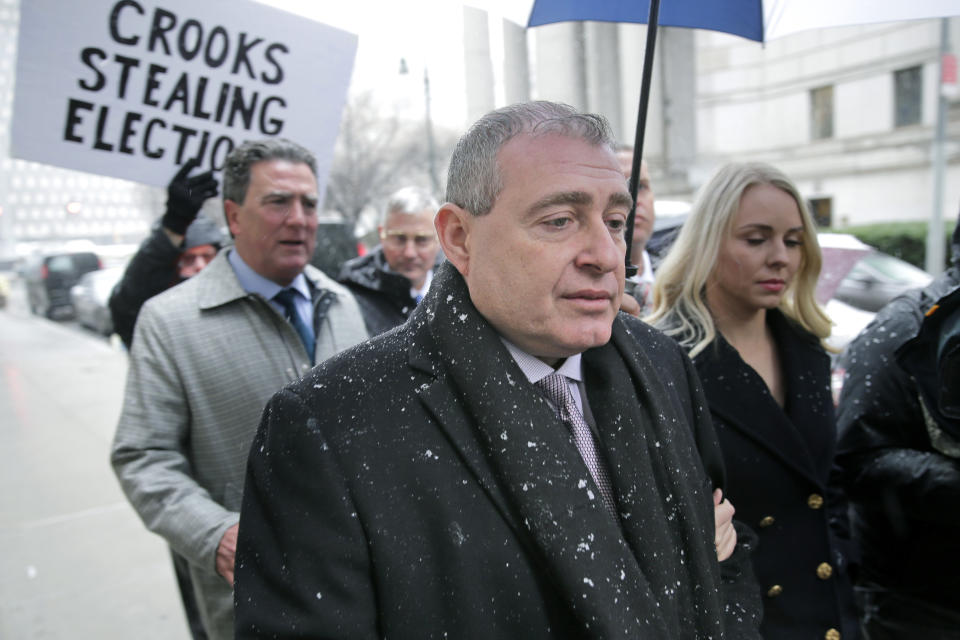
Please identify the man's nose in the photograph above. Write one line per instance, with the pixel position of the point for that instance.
(602, 251)
(297, 214)
(410, 248)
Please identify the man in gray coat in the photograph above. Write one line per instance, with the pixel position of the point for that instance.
(209, 353)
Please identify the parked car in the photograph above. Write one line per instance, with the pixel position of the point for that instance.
(48, 278)
(874, 278)
(90, 298)
(335, 245)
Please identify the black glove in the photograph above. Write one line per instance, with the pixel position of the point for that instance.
(185, 197)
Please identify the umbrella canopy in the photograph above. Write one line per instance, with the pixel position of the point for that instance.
(759, 20)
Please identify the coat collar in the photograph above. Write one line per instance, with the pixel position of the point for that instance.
(741, 399)
(218, 284)
(534, 475)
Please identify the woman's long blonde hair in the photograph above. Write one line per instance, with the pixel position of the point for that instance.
(679, 290)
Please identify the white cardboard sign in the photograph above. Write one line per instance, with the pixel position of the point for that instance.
(134, 88)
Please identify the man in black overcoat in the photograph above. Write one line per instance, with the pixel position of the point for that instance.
(421, 485)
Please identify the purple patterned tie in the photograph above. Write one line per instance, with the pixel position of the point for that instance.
(554, 386)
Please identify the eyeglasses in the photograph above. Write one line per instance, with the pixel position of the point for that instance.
(399, 239)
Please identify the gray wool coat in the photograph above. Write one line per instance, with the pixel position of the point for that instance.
(206, 357)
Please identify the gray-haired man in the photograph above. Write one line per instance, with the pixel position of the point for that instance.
(518, 460)
(391, 280)
(209, 353)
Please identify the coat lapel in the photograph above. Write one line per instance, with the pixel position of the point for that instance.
(661, 485)
(527, 463)
(741, 399)
(809, 404)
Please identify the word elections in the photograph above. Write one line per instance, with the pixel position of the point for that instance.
(178, 93)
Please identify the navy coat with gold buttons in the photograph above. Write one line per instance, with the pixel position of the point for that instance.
(779, 462)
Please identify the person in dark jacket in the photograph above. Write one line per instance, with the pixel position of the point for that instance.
(178, 247)
(899, 451)
(736, 291)
(389, 281)
(518, 460)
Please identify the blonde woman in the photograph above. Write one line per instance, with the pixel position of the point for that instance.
(737, 292)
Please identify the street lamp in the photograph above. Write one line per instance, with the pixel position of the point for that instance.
(431, 147)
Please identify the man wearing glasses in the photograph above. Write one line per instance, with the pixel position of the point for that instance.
(390, 281)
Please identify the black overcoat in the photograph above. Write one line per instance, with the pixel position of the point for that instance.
(780, 478)
(383, 296)
(903, 479)
(418, 486)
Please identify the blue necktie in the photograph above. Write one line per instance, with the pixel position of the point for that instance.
(286, 299)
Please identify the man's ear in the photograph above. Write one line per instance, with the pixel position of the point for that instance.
(231, 211)
(453, 230)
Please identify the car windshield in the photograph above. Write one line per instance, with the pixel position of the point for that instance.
(888, 267)
(60, 264)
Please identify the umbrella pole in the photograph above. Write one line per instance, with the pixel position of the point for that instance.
(641, 124)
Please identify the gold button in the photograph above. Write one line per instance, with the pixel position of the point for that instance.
(824, 571)
(766, 522)
(774, 591)
(815, 501)
(832, 634)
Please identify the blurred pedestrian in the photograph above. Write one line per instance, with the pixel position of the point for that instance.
(736, 291)
(391, 280)
(643, 220)
(208, 354)
(899, 424)
(518, 460)
(177, 248)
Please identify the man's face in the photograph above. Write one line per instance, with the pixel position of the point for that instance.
(193, 260)
(410, 244)
(546, 265)
(644, 217)
(275, 228)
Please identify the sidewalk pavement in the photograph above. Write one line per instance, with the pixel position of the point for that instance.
(76, 561)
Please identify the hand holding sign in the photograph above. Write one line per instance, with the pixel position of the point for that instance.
(186, 195)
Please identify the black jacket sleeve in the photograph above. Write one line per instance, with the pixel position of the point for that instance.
(300, 575)
(743, 606)
(884, 449)
(152, 270)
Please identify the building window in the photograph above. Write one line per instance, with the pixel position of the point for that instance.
(821, 112)
(822, 211)
(908, 91)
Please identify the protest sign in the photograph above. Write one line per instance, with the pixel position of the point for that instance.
(134, 88)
